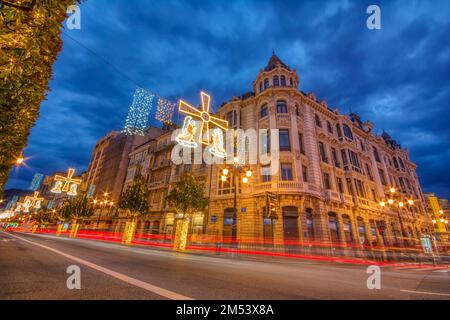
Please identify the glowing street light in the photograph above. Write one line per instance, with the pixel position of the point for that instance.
(382, 203)
(400, 204)
(410, 202)
(245, 180)
(20, 160)
(225, 171)
(392, 190)
(248, 173)
(391, 201)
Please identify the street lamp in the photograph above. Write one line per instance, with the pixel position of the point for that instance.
(19, 160)
(236, 169)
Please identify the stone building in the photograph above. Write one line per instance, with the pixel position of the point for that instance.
(333, 185)
(335, 174)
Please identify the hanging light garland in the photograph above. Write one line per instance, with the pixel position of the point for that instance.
(165, 110)
(139, 111)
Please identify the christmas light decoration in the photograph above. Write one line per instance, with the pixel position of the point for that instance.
(33, 201)
(36, 182)
(66, 184)
(187, 136)
(12, 202)
(205, 116)
(217, 148)
(164, 110)
(139, 111)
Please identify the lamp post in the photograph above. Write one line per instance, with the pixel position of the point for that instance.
(102, 203)
(399, 201)
(236, 169)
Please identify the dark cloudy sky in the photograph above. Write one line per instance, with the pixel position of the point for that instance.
(398, 77)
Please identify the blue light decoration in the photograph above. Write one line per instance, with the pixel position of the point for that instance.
(165, 110)
(91, 190)
(12, 202)
(36, 182)
(50, 204)
(139, 111)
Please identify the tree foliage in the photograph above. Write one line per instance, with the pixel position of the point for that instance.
(187, 195)
(135, 197)
(29, 44)
(76, 208)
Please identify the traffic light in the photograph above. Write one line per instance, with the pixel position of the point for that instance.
(271, 205)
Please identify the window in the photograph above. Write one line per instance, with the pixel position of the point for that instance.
(346, 222)
(305, 173)
(395, 162)
(347, 131)
(232, 118)
(301, 143)
(376, 154)
(334, 227)
(276, 81)
(402, 165)
(264, 111)
(266, 177)
(369, 172)
(335, 157)
(338, 130)
(340, 185)
(361, 230)
(260, 87)
(266, 83)
(350, 187)
(323, 155)
(297, 110)
(281, 107)
(285, 143)
(344, 157)
(326, 181)
(360, 188)
(265, 142)
(382, 176)
(309, 224)
(318, 122)
(354, 159)
(283, 81)
(286, 171)
(330, 129)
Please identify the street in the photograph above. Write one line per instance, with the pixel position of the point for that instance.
(34, 267)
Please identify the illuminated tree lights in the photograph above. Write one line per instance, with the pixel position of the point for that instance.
(139, 111)
(164, 110)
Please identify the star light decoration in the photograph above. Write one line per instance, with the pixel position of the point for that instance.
(164, 110)
(139, 111)
(66, 184)
(188, 132)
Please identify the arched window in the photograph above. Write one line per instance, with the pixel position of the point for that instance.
(264, 111)
(283, 81)
(291, 82)
(276, 81)
(229, 225)
(338, 130)
(347, 131)
(260, 86)
(309, 224)
(282, 106)
(317, 119)
(334, 227)
(266, 83)
(361, 230)
(290, 224)
(347, 223)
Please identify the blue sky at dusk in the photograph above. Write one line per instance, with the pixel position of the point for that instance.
(397, 77)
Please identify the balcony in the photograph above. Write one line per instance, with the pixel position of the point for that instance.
(332, 196)
(346, 198)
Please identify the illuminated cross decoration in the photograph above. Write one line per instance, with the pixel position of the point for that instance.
(34, 201)
(66, 184)
(204, 116)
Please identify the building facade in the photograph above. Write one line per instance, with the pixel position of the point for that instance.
(333, 186)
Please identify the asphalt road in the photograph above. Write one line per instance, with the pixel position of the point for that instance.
(34, 267)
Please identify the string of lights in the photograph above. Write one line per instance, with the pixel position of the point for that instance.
(137, 117)
(165, 110)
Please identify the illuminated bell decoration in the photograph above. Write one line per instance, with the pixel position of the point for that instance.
(33, 202)
(66, 184)
(204, 135)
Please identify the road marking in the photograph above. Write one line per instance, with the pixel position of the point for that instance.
(138, 283)
(441, 270)
(424, 292)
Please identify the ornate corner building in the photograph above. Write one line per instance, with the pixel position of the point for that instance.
(333, 174)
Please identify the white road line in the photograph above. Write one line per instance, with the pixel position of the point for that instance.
(424, 292)
(138, 283)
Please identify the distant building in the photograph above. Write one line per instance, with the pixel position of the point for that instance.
(108, 167)
(439, 210)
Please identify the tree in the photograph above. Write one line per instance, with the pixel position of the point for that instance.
(187, 196)
(135, 198)
(30, 41)
(76, 208)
